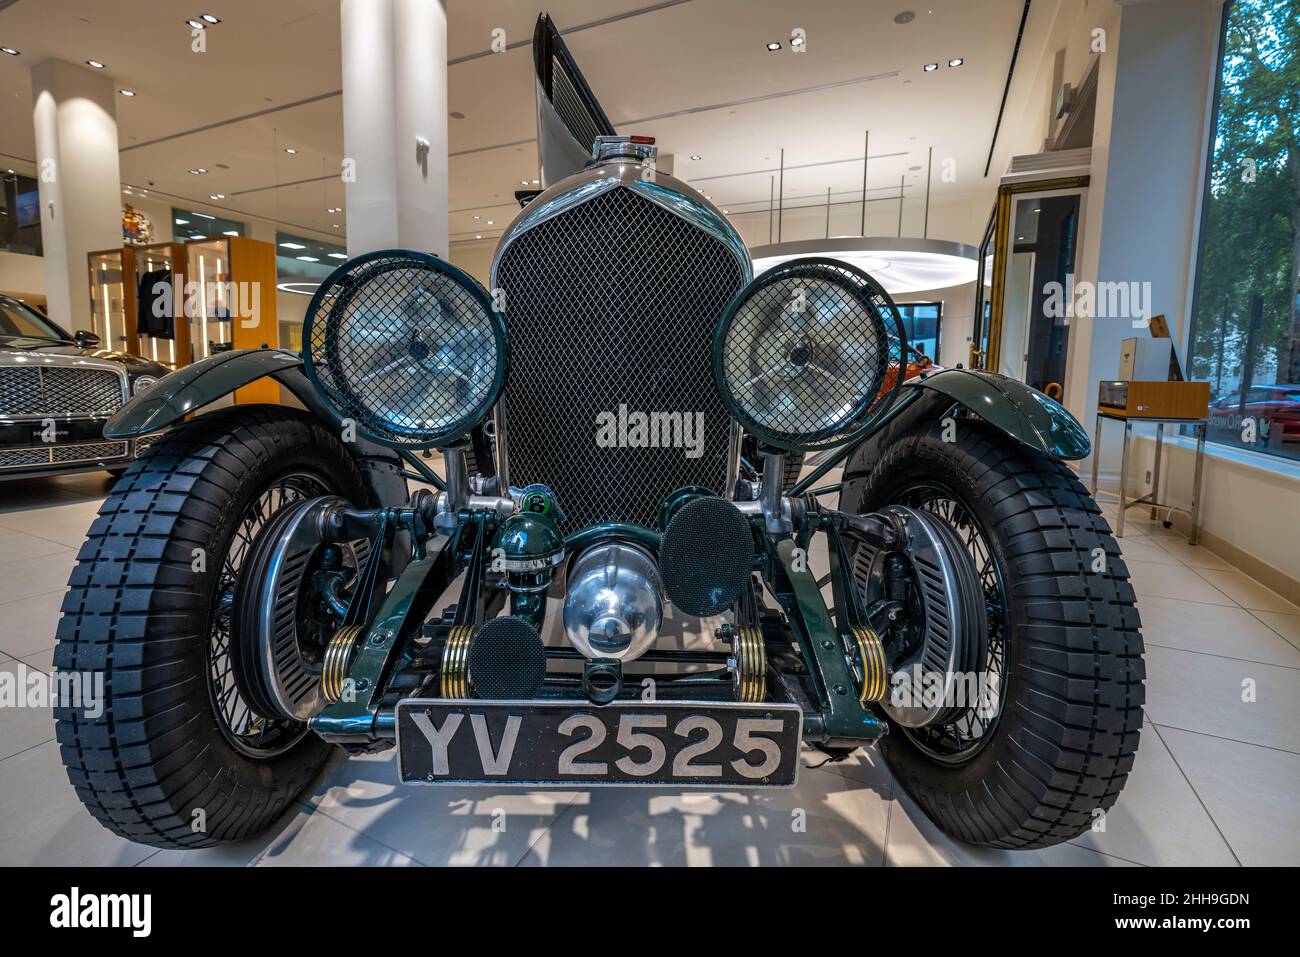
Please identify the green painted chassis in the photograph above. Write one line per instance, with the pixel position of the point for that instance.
(808, 652)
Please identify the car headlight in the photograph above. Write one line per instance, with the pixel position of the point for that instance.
(802, 355)
(406, 346)
(142, 382)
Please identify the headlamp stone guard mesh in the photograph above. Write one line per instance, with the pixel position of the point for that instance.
(406, 346)
(803, 355)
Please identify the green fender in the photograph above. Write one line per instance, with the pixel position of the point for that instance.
(1021, 411)
(179, 393)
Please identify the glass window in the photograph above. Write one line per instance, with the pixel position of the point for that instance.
(20, 215)
(921, 322)
(187, 224)
(1245, 328)
(19, 321)
(300, 256)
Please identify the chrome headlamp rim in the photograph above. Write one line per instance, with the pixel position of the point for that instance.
(354, 273)
(872, 406)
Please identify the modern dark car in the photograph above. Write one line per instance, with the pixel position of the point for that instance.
(56, 392)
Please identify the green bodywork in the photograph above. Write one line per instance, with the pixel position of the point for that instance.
(1024, 413)
(179, 393)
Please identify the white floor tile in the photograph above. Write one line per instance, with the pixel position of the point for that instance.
(825, 819)
(1249, 791)
(16, 546)
(65, 524)
(43, 823)
(1158, 819)
(1173, 581)
(434, 825)
(1287, 626)
(21, 726)
(1205, 693)
(24, 580)
(28, 625)
(1246, 591)
(1195, 556)
(1213, 629)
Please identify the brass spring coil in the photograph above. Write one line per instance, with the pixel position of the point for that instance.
(454, 675)
(751, 665)
(875, 671)
(338, 659)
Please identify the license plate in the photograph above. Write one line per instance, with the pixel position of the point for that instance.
(683, 744)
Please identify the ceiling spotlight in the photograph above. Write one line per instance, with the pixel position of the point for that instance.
(489, 222)
(696, 156)
(956, 61)
(537, 182)
(196, 24)
(523, 182)
(477, 217)
(216, 196)
(727, 211)
(478, 235)
(127, 92)
(930, 67)
(210, 18)
(10, 50)
(198, 170)
(774, 46)
(796, 41)
(95, 63)
(290, 150)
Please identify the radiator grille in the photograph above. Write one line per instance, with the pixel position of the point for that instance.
(613, 304)
(61, 454)
(59, 390)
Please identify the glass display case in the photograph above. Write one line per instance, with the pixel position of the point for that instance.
(158, 299)
(112, 298)
(210, 297)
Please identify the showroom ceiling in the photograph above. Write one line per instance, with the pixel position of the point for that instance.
(697, 74)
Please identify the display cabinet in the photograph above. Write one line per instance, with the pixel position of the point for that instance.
(231, 302)
(112, 298)
(157, 316)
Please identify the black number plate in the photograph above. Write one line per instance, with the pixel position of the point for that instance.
(684, 744)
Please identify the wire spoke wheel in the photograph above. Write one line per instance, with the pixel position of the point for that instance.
(247, 731)
(963, 733)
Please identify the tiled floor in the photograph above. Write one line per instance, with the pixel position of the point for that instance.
(1215, 780)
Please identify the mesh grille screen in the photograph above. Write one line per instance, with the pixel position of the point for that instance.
(404, 349)
(614, 304)
(59, 390)
(805, 354)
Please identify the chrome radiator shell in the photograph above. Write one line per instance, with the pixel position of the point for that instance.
(612, 283)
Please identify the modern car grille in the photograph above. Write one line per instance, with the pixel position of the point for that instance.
(61, 454)
(611, 309)
(59, 390)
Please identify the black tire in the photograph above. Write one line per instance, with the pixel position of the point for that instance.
(1061, 746)
(165, 748)
(793, 466)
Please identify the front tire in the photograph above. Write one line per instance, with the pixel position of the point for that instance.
(1064, 652)
(175, 758)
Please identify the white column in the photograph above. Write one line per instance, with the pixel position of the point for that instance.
(395, 102)
(80, 181)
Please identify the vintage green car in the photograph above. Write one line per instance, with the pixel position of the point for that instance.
(263, 585)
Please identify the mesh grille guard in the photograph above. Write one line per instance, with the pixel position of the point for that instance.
(611, 307)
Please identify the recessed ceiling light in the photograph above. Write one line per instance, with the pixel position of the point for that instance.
(127, 92)
(523, 182)
(210, 18)
(196, 24)
(95, 63)
(456, 115)
(338, 255)
(478, 235)
(913, 168)
(907, 16)
(727, 211)
(930, 67)
(695, 156)
(290, 150)
(216, 196)
(182, 222)
(335, 225)
(309, 259)
(199, 170)
(537, 182)
(476, 217)
(796, 41)
(489, 222)
(707, 196)
(10, 50)
(292, 246)
(774, 46)
(956, 61)
(231, 232)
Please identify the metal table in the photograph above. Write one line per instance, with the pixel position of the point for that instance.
(1124, 504)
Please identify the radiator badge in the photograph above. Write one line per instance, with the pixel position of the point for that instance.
(626, 429)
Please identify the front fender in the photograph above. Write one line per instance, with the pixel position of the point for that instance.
(1022, 412)
(179, 393)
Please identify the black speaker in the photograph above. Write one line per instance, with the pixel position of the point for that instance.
(706, 556)
(507, 659)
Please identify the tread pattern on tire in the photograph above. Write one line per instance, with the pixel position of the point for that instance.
(1067, 736)
(136, 613)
